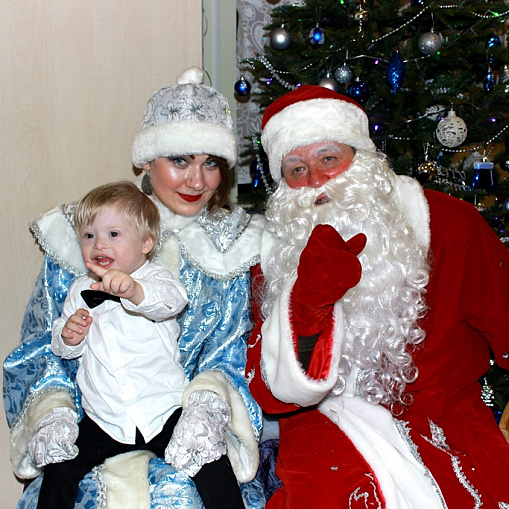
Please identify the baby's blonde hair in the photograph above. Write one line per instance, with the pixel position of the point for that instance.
(138, 208)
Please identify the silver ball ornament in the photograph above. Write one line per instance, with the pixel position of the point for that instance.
(329, 83)
(343, 74)
(451, 131)
(280, 38)
(430, 43)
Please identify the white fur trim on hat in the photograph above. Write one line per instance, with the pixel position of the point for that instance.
(184, 137)
(312, 121)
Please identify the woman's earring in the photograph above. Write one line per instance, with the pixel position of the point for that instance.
(146, 184)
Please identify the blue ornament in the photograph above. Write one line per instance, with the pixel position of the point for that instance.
(483, 177)
(489, 82)
(395, 72)
(493, 42)
(316, 37)
(495, 63)
(242, 87)
(358, 91)
(257, 170)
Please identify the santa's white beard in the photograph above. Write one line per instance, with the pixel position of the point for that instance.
(382, 311)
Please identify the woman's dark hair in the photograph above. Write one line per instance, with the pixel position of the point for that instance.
(220, 196)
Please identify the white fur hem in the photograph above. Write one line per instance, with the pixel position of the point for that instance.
(126, 480)
(241, 440)
(37, 410)
(285, 377)
(404, 480)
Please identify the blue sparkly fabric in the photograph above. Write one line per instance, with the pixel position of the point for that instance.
(214, 330)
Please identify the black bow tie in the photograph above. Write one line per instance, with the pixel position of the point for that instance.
(95, 297)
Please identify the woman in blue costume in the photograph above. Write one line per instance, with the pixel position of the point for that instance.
(186, 147)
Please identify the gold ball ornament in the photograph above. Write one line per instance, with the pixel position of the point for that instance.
(451, 131)
(428, 170)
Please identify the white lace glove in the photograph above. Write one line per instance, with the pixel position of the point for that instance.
(53, 440)
(200, 434)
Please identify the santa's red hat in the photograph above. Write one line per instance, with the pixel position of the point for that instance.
(311, 114)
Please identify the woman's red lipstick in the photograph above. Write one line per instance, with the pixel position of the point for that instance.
(190, 197)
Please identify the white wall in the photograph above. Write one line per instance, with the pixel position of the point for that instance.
(74, 80)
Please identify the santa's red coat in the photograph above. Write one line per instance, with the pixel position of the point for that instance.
(468, 300)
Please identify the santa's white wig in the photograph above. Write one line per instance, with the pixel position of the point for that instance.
(382, 312)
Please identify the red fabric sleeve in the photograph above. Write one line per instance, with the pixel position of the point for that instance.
(257, 385)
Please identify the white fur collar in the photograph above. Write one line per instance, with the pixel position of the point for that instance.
(54, 232)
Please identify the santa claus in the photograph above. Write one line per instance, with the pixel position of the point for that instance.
(379, 306)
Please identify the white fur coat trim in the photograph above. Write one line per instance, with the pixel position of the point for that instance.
(404, 481)
(414, 207)
(36, 411)
(242, 254)
(241, 441)
(286, 378)
(125, 478)
(57, 238)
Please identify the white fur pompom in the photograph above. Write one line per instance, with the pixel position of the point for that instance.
(193, 75)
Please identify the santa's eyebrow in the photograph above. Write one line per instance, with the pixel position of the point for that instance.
(328, 148)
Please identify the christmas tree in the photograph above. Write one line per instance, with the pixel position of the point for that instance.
(433, 77)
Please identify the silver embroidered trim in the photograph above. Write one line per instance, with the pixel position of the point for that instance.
(241, 269)
(263, 373)
(223, 226)
(503, 505)
(101, 490)
(404, 433)
(356, 495)
(439, 441)
(36, 232)
(163, 238)
(438, 436)
(68, 212)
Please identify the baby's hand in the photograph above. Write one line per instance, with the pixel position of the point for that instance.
(116, 282)
(76, 327)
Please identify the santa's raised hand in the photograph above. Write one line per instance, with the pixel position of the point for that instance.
(116, 282)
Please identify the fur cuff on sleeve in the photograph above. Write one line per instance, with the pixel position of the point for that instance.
(284, 375)
(241, 440)
(37, 410)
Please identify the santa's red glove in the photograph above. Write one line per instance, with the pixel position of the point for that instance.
(328, 268)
